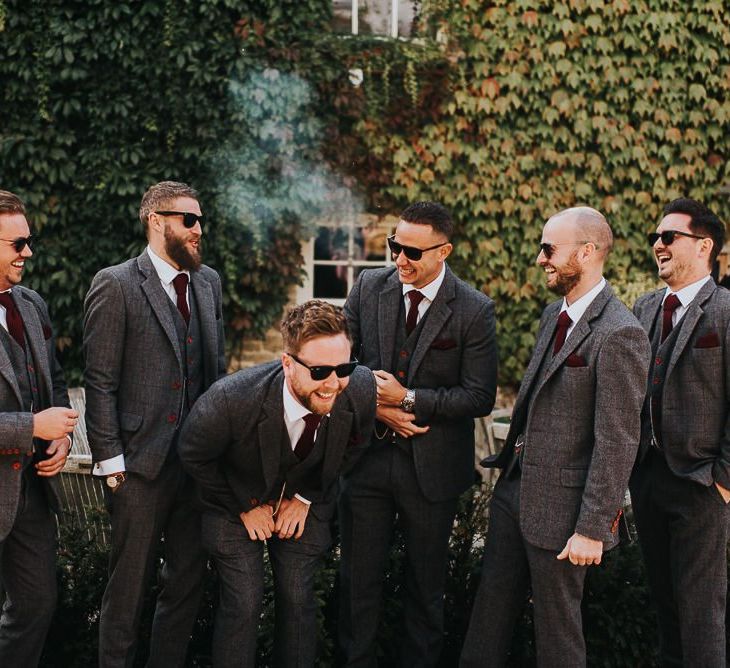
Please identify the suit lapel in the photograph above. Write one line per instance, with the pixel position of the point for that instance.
(37, 342)
(203, 294)
(8, 373)
(157, 298)
(689, 321)
(338, 431)
(389, 302)
(649, 314)
(270, 429)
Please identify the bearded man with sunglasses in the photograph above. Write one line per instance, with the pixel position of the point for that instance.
(35, 427)
(267, 446)
(153, 341)
(680, 488)
(573, 438)
(430, 339)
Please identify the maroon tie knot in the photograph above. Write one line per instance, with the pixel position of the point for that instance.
(561, 332)
(305, 444)
(671, 304)
(416, 297)
(13, 318)
(180, 283)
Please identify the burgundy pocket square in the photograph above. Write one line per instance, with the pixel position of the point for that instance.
(711, 340)
(443, 344)
(47, 332)
(575, 360)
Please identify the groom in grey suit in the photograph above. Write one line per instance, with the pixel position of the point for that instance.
(267, 446)
(35, 421)
(565, 466)
(680, 487)
(153, 341)
(430, 339)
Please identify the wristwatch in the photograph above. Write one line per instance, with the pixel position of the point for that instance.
(409, 401)
(113, 481)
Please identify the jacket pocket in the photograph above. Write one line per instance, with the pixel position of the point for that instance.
(129, 421)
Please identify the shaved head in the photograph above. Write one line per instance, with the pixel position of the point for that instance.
(589, 225)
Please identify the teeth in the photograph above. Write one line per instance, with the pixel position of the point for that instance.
(19, 265)
(325, 395)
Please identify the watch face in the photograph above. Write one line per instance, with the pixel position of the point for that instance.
(112, 481)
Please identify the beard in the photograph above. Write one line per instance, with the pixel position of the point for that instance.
(567, 276)
(178, 252)
(312, 402)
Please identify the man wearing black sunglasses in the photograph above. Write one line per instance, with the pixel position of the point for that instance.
(573, 437)
(35, 424)
(267, 446)
(153, 340)
(680, 487)
(430, 339)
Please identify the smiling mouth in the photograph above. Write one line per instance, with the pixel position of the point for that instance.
(18, 264)
(326, 396)
(663, 258)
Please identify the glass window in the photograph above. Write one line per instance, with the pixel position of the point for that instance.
(393, 18)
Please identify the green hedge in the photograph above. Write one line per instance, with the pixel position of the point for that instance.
(619, 625)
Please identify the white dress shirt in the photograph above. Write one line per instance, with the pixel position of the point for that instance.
(4, 315)
(579, 306)
(685, 296)
(428, 291)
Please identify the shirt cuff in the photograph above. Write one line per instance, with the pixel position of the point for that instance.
(302, 499)
(109, 466)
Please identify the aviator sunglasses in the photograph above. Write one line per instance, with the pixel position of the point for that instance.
(189, 219)
(411, 252)
(20, 243)
(668, 236)
(324, 371)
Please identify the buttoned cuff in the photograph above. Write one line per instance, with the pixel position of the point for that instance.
(109, 466)
(302, 499)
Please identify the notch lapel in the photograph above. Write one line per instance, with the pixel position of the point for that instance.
(8, 373)
(205, 302)
(270, 429)
(36, 341)
(157, 298)
(338, 431)
(389, 303)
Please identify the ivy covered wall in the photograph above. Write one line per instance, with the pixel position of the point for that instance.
(516, 110)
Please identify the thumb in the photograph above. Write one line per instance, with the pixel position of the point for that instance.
(564, 553)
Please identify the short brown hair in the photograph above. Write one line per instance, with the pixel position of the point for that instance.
(10, 203)
(160, 195)
(310, 320)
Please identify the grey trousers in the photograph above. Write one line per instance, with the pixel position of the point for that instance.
(240, 565)
(141, 512)
(28, 572)
(512, 567)
(683, 532)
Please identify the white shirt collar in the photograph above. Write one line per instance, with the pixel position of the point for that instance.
(430, 290)
(164, 269)
(579, 306)
(688, 292)
(293, 410)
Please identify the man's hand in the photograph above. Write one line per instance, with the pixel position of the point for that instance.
(259, 522)
(724, 492)
(399, 421)
(54, 423)
(390, 391)
(582, 551)
(58, 449)
(290, 517)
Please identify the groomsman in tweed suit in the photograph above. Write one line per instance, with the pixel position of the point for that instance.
(430, 338)
(680, 487)
(565, 466)
(267, 445)
(35, 424)
(153, 340)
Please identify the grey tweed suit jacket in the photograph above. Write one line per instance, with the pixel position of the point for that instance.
(453, 369)
(16, 426)
(695, 413)
(134, 366)
(583, 425)
(231, 444)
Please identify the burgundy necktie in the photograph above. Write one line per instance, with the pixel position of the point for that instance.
(415, 296)
(671, 304)
(14, 320)
(564, 322)
(306, 440)
(180, 282)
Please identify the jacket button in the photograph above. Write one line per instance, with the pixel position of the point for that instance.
(253, 501)
(176, 385)
(401, 374)
(190, 339)
(404, 353)
(658, 361)
(171, 417)
(656, 381)
(16, 466)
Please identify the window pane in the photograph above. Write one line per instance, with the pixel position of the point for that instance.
(374, 17)
(330, 282)
(331, 244)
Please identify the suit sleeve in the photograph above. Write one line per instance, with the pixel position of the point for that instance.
(206, 435)
(104, 332)
(221, 356)
(622, 369)
(352, 313)
(58, 380)
(477, 388)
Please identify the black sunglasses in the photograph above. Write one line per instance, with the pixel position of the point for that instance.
(323, 372)
(549, 249)
(189, 219)
(20, 243)
(411, 252)
(668, 236)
